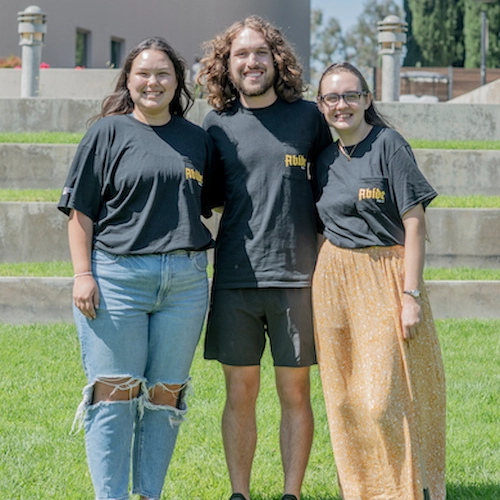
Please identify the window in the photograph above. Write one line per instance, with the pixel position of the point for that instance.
(82, 52)
(115, 59)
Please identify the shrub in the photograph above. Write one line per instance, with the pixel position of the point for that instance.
(11, 61)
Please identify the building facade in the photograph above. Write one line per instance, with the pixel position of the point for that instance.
(98, 33)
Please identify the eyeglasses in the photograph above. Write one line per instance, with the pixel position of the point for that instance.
(351, 98)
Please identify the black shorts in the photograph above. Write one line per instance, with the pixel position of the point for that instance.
(240, 319)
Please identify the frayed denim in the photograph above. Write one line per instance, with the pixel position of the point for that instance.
(148, 324)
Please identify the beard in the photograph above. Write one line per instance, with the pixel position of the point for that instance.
(253, 89)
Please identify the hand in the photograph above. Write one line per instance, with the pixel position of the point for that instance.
(86, 296)
(411, 316)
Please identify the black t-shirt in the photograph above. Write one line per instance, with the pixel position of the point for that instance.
(362, 201)
(141, 185)
(268, 231)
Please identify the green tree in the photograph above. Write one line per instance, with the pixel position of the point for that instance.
(472, 33)
(361, 40)
(435, 32)
(327, 43)
(413, 53)
(448, 32)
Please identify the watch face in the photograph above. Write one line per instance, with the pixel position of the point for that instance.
(413, 293)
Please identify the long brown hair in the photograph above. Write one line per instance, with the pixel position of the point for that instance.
(120, 102)
(214, 74)
(372, 115)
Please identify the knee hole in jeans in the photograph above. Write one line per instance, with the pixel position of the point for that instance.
(115, 389)
(168, 395)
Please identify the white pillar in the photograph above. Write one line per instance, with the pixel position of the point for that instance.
(391, 39)
(391, 84)
(31, 28)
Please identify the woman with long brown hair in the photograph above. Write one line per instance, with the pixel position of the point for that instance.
(138, 246)
(378, 352)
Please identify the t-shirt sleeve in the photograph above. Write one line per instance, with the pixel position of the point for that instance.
(83, 187)
(409, 184)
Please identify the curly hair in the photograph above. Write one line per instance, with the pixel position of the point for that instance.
(372, 115)
(214, 74)
(120, 102)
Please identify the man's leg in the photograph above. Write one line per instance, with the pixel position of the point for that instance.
(297, 424)
(239, 427)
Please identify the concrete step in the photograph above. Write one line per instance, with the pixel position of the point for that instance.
(35, 166)
(51, 115)
(37, 232)
(451, 172)
(458, 237)
(31, 232)
(463, 237)
(35, 300)
(48, 300)
(439, 121)
(461, 172)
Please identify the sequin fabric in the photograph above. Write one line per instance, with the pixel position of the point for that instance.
(385, 396)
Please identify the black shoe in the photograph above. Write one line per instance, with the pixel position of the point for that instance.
(238, 496)
(288, 497)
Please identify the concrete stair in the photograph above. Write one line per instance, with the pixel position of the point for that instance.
(34, 166)
(38, 232)
(458, 237)
(48, 300)
(451, 172)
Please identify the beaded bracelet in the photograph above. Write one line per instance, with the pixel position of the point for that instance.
(86, 273)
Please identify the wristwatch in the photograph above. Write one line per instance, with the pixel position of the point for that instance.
(414, 293)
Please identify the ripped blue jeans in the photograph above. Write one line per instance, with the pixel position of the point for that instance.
(151, 313)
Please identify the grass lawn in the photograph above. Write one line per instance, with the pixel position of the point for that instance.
(65, 269)
(41, 379)
(460, 273)
(30, 195)
(41, 137)
(475, 201)
(72, 138)
(442, 201)
(430, 144)
(37, 269)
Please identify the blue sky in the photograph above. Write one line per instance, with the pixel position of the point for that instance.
(345, 12)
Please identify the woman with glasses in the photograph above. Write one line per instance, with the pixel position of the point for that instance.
(378, 352)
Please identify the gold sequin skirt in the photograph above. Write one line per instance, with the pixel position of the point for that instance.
(385, 396)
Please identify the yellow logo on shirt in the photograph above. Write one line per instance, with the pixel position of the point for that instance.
(371, 194)
(192, 173)
(295, 161)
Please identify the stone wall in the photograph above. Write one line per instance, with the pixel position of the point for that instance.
(438, 121)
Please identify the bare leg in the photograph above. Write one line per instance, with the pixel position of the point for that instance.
(297, 424)
(115, 389)
(239, 427)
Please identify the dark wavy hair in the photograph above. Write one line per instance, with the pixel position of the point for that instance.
(372, 115)
(120, 103)
(214, 74)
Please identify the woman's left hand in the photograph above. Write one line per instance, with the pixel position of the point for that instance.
(411, 316)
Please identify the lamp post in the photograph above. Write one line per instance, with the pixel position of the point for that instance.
(484, 38)
(391, 38)
(31, 28)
